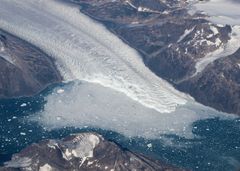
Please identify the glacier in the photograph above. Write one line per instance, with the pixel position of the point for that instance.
(108, 85)
(220, 11)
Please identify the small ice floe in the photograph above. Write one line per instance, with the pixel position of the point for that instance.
(60, 91)
(22, 133)
(23, 104)
(149, 145)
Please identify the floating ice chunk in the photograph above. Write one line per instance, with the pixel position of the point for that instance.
(22, 133)
(23, 104)
(149, 145)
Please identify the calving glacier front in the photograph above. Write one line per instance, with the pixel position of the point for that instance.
(86, 51)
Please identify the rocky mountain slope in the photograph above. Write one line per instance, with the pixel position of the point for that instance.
(85, 151)
(195, 55)
(24, 69)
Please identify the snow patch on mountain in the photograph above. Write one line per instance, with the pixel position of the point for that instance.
(223, 51)
(82, 146)
(17, 162)
(186, 32)
(46, 167)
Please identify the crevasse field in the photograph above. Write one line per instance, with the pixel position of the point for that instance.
(108, 88)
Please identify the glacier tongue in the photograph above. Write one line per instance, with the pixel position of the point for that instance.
(85, 50)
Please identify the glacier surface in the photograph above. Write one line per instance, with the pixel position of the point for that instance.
(220, 11)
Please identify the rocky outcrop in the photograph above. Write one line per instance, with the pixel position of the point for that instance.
(24, 69)
(218, 84)
(84, 151)
(171, 42)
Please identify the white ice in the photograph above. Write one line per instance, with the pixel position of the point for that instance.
(220, 11)
(116, 91)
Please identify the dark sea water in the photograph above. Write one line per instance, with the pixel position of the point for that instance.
(215, 148)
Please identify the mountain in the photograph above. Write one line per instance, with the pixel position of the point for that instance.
(24, 69)
(84, 151)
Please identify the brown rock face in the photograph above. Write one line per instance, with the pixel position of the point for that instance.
(218, 85)
(83, 152)
(24, 69)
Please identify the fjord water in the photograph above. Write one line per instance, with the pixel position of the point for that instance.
(112, 92)
(215, 145)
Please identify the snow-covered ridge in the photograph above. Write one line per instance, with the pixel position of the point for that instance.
(79, 146)
(83, 146)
